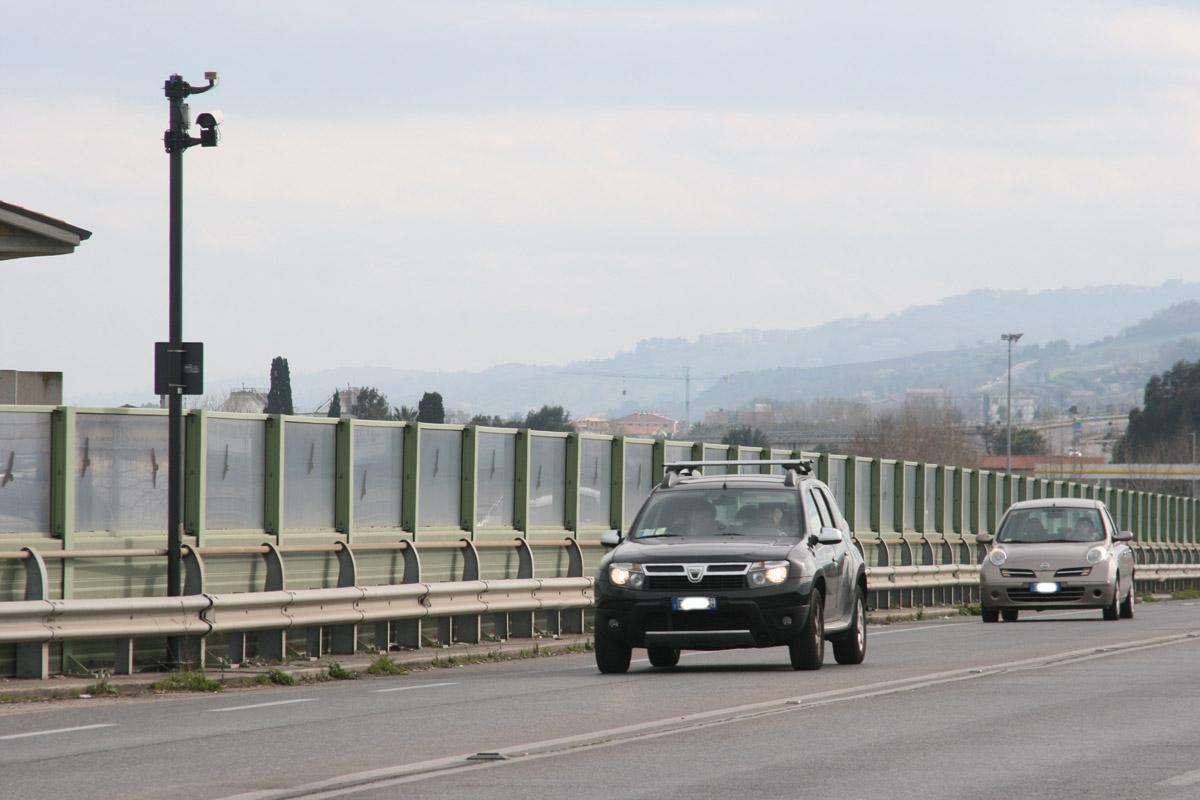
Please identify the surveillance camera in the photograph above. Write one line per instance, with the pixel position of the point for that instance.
(211, 75)
(210, 119)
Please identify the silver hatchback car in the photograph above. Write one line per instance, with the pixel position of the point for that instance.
(1056, 553)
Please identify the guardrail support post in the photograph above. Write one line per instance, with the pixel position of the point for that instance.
(519, 624)
(273, 644)
(465, 628)
(33, 658)
(343, 639)
(194, 649)
(123, 657)
(403, 633)
(572, 618)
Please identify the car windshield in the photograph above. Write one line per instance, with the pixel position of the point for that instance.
(720, 512)
(1042, 525)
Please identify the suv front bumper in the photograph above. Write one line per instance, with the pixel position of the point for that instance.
(738, 621)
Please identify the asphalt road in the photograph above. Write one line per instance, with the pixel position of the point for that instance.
(1060, 706)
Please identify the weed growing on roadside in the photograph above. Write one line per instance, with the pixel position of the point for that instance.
(339, 673)
(187, 682)
(101, 687)
(970, 610)
(276, 677)
(384, 665)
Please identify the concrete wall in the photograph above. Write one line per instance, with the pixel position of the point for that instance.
(30, 388)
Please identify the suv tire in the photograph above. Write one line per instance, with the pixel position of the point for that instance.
(807, 650)
(1113, 610)
(663, 656)
(990, 614)
(1010, 614)
(612, 654)
(851, 647)
(1127, 606)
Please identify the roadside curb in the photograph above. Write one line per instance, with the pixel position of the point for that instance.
(17, 691)
(885, 616)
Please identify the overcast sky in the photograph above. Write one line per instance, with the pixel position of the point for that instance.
(453, 185)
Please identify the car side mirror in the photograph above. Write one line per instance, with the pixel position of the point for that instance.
(829, 536)
(984, 538)
(610, 538)
(1123, 536)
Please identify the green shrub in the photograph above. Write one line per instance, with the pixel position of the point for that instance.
(340, 673)
(276, 677)
(188, 682)
(383, 665)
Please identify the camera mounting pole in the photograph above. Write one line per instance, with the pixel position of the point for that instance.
(176, 140)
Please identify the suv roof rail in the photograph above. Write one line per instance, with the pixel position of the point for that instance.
(793, 468)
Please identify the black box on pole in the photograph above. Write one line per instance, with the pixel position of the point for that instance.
(179, 369)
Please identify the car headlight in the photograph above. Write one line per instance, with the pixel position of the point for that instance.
(626, 574)
(1096, 555)
(767, 573)
(997, 556)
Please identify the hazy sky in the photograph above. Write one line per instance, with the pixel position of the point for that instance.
(452, 185)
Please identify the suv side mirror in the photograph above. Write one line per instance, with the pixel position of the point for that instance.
(829, 536)
(1122, 536)
(610, 538)
(984, 538)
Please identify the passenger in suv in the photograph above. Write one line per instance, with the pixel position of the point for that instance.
(728, 561)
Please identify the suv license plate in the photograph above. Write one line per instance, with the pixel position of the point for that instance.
(693, 603)
(1044, 588)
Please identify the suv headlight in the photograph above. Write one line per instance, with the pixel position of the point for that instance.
(1096, 555)
(997, 556)
(627, 574)
(767, 573)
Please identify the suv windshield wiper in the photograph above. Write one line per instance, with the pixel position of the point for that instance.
(658, 536)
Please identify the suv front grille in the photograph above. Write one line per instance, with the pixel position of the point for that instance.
(680, 583)
(697, 621)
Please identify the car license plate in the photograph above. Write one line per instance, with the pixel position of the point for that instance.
(1043, 588)
(693, 603)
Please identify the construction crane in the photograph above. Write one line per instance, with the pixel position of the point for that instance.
(686, 377)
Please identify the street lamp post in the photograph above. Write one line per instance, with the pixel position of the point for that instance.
(178, 367)
(1010, 338)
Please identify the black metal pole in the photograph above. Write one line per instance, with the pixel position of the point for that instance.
(176, 91)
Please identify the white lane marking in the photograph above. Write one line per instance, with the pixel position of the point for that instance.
(1185, 779)
(59, 730)
(264, 705)
(409, 688)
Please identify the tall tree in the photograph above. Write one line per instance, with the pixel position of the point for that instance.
(404, 414)
(548, 418)
(1025, 441)
(750, 437)
(1160, 430)
(279, 397)
(370, 404)
(430, 409)
(335, 405)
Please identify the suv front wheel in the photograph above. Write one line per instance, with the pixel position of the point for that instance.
(807, 650)
(612, 655)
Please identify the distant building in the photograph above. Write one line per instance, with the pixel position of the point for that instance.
(30, 388)
(592, 425)
(1025, 465)
(25, 233)
(645, 423)
(761, 416)
(245, 401)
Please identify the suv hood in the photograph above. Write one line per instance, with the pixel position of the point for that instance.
(673, 551)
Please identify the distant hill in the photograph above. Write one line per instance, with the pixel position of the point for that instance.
(892, 351)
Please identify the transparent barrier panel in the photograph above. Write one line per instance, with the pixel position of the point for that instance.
(309, 466)
(749, 454)
(862, 495)
(235, 474)
(595, 487)
(440, 486)
(378, 476)
(495, 479)
(24, 472)
(887, 496)
(638, 480)
(678, 452)
(948, 500)
(910, 497)
(981, 483)
(120, 472)
(837, 480)
(715, 454)
(547, 482)
(930, 499)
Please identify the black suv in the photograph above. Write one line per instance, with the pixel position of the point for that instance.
(723, 561)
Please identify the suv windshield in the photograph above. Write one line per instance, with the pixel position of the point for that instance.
(1042, 525)
(720, 512)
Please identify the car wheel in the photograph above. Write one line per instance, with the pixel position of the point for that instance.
(851, 647)
(990, 614)
(663, 656)
(612, 654)
(807, 650)
(1127, 606)
(1113, 610)
(1010, 614)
